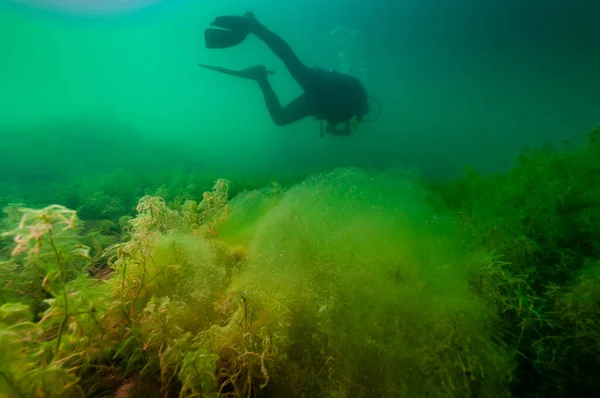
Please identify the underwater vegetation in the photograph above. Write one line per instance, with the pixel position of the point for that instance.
(348, 283)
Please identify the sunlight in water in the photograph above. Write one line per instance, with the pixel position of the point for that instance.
(89, 7)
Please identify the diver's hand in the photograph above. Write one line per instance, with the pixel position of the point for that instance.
(333, 130)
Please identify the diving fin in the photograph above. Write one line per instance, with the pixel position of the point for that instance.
(232, 30)
(221, 38)
(253, 73)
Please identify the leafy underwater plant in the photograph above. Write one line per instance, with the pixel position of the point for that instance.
(164, 290)
(43, 358)
(539, 222)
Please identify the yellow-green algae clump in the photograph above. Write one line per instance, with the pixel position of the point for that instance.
(349, 284)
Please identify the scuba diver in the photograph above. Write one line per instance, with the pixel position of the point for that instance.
(328, 96)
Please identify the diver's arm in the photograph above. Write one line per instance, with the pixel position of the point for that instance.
(333, 130)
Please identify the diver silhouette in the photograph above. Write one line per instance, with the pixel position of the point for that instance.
(328, 96)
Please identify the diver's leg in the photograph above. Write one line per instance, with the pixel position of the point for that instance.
(299, 71)
(304, 75)
(297, 109)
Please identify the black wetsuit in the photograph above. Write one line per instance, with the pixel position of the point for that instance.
(328, 95)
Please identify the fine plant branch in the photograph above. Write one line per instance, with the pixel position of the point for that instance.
(64, 291)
